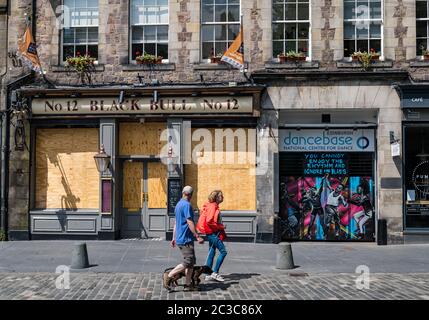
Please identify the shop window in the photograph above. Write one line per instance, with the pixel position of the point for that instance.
(291, 26)
(363, 26)
(66, 175)
(416, 161)
(220, 25)
(223, 165)
(79, 36)
(327, 195)
(422, 26)
(149, 28)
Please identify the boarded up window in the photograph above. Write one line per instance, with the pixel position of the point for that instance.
(141, 138)
(66, 174)
(230, 168)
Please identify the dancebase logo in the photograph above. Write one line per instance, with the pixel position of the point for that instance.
(326, 140)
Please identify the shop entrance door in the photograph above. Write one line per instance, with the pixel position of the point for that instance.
(144, 199)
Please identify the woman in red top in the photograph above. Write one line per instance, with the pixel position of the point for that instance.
(210, 223)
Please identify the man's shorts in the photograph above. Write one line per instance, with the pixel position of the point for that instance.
(188, 254)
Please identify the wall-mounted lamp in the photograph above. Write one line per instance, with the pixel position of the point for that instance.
(102, 160)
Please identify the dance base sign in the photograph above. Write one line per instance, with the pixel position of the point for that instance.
(174, 105)
(332, 140)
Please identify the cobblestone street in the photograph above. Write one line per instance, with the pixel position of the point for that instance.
(148, 286)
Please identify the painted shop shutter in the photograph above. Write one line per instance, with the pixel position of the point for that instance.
(66, 174)
(237, 180)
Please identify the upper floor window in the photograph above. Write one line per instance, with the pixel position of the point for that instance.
(422, 25)
(220, 25)
(80, 32)
(363, 21)
(149, 28)
(291, 26)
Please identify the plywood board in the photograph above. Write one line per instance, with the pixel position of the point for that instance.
(132, 195)
(66, 174)
(234, 175)
(141, 138)
(157, 185)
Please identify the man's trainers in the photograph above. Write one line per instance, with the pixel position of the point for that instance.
(217, 277)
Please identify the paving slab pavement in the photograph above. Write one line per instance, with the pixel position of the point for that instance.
(129, 256)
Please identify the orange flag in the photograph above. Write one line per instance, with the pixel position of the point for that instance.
(27, 51)
(235, 55)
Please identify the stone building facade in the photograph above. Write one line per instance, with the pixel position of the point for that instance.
(296, 94)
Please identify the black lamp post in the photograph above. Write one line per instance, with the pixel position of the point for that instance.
(102, 160)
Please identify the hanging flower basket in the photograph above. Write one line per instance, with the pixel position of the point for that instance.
(148, 59)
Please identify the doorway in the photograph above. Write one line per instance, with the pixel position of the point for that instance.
(143, 204)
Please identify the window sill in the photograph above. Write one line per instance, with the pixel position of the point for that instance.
(292, 65)
(148, 67)
(213, 66)
(98, 68)
(357, 64)
(419, 63)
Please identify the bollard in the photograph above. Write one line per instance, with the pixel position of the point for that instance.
(284, 256)
(80, 257)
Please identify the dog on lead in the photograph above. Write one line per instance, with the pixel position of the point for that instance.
(197, 271)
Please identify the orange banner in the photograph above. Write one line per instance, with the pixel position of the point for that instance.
(27, 51)
(234, 55)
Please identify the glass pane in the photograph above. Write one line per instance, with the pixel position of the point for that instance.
(233, 31)
(162, 3)
(68, 51)
(220, 32)
(421, 9)
(278, 12)
(234, 1)
(220, 13)
(163, 50)
(362, 45)
(149, 2)
(349, 30)
(81, 35)
(80, 50)
(149, 33)
(149, 48)
(375, 30)
(151, 15)
(375, 9)
(221, 47)
(234, 13)
(290, 31)
(137, 33)
(80, 4)
(93, 51)
(277, 48)
(278, 31)
(163, 15)
(421, 45)
(208, 14)
(375, 45)
(92, 3)
(362, 10)
(349, 47)
(220, 1)
(93, 35)
(303, 47)
(207, 50)
(207, 33)
(303, 12)
(69, 3)
(136, 50)
(162, 33)
(290, 12)
(68, 35)
(421, 31)
(303, 30)
(349, 9)
(204, 2)
(290, 46)
(362, 31)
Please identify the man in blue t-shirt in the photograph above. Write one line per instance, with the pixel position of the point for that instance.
(184, 233)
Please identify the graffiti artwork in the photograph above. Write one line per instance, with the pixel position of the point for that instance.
(327, 206)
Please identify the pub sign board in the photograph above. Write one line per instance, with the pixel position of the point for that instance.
(144, 105)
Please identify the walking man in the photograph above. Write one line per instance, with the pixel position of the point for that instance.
(184, 233)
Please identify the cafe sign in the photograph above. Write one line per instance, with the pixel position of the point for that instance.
(174, 105)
